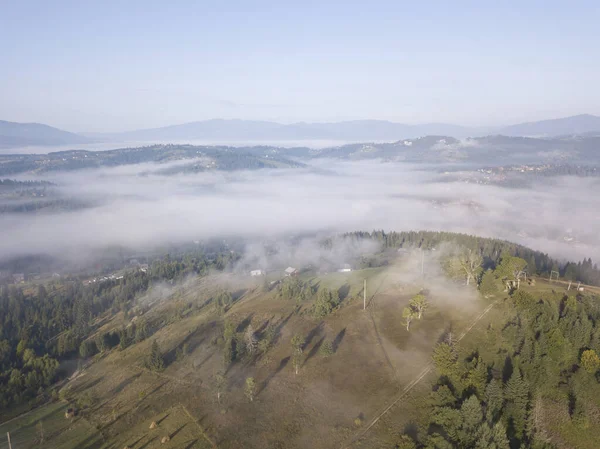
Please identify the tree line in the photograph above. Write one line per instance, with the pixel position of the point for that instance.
(41, 326)
(497, 394)
(490, 250)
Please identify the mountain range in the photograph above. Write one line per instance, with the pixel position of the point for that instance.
(28, 134)
(35, 134)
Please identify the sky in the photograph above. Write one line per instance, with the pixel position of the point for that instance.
(122, 65)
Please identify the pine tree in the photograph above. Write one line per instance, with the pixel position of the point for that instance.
(477, 378)
(472, 415)
(81, 316)
(494, 399)
(405, 442)
(155, 359)
(516, 393)
(445, 358)
(487, 286)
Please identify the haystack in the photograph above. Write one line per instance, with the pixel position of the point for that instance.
(165, 439)
(153, 425)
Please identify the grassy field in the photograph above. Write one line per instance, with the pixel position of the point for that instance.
(330, 403)
(46, 426)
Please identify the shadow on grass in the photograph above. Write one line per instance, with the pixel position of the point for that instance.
(177, 431)
(147, 443)
(191, 444)
(279, 327)
(343, 292)
(338, 339)
(281, 366)
(162, 419)
(136, 441)
(314, 350)
(125, 383)
(312, 334)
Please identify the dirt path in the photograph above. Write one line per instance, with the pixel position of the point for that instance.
(426, 370)
(377, 335)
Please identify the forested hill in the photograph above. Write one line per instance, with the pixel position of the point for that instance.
(491, 250)
(201, 158)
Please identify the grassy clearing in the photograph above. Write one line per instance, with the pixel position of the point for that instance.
(326, 405)
(49, 420)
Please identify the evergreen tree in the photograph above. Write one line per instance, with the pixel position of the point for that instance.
(405, 442)
(155, 360)
(494, 399)
(516, 394)
(472, 415)
(445, 360)
(487, 286)
(477, 378)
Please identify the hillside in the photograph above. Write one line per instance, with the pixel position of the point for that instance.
(174, 157)
(24, 134)
(195, 354)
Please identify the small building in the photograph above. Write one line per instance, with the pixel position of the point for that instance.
(346, 268)
(257, 273)
(18, 278)
(291, 271)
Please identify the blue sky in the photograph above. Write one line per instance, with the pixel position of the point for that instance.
(111, 66)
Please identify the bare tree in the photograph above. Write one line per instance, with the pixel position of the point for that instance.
(511, 270)
(419, 304)
(408, 314)
(250, 388)
(220, 382)
(297, 349)
(465, 265)
(251, 340)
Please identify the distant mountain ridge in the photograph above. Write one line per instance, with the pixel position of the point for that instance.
(574, 125)
(14, 134)
(23, 134)
(354, 130)
(248, 130)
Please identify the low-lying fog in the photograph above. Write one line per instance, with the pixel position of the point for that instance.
(139, 208)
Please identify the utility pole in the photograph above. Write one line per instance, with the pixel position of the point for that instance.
(365, 296)
(8, 436)
(422, 260)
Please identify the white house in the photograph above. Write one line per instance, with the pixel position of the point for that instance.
(346, 268)
(290, 271)
(257, 273)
